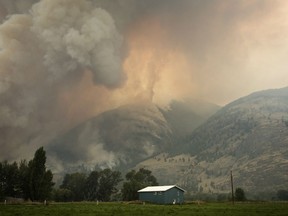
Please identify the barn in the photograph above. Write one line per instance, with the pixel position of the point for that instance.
(170, 194)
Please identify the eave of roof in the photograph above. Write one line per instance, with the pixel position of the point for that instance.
(159, 188)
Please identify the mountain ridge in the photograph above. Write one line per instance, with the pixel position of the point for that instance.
(125, 135)
(248, 136)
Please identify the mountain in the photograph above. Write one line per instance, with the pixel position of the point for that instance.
(126, 136)
(185, 116)
(248, 136)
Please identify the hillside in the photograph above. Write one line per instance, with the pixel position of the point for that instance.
(248, 136)
(125, 136)
(185, 116)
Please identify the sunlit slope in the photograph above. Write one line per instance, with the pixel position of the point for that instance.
(248, 136)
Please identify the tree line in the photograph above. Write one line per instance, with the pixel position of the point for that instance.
(32, 181)
(98, 185)
(28, 180)
(103, 185)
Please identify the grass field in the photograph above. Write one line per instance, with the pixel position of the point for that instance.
(89, 209)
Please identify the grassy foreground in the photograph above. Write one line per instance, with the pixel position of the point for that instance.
(87, 209)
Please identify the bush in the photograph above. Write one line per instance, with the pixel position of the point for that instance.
(282, 195)
(240, 194)
(62, 195)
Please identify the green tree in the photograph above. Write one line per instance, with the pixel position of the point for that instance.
(9, 179)
(2, 195)
(92, 186)
(136, 181)
(29, 181)
(99, 185)
(62, 195)
(40, 179)
(282, 194)
(240, 194)
(24, 179)
(108, 182)
(75, 182)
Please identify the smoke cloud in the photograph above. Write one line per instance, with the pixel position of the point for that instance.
(15, 7)
(45, 49)
(75, 35)
(63, 62)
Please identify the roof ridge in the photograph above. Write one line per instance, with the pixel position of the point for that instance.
(159, 188)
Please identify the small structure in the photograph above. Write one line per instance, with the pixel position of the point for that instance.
(170, 194)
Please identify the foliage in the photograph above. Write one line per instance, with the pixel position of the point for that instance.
(62, 195)
(92, 186)
(97, 186)
(26, 180)
(240, 194)
(9, 179)
(136, 181)
(40, 179)
(107, 183)
(282, 195)
(75, 182)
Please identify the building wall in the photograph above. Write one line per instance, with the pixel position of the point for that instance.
(154, 197)
(166, 197)
(174, 194)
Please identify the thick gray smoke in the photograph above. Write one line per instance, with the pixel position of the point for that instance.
(50, 49)
(54, 41)
(75, 35)
(10, 7)
(43, 49)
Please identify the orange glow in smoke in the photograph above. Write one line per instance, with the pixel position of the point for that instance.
(156, 72)
(83, 100)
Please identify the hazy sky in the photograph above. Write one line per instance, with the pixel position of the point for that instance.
(62, 62)
(232, 48)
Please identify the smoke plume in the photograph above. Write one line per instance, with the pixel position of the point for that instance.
(76, 35)
(63, 62)
(48, 48)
